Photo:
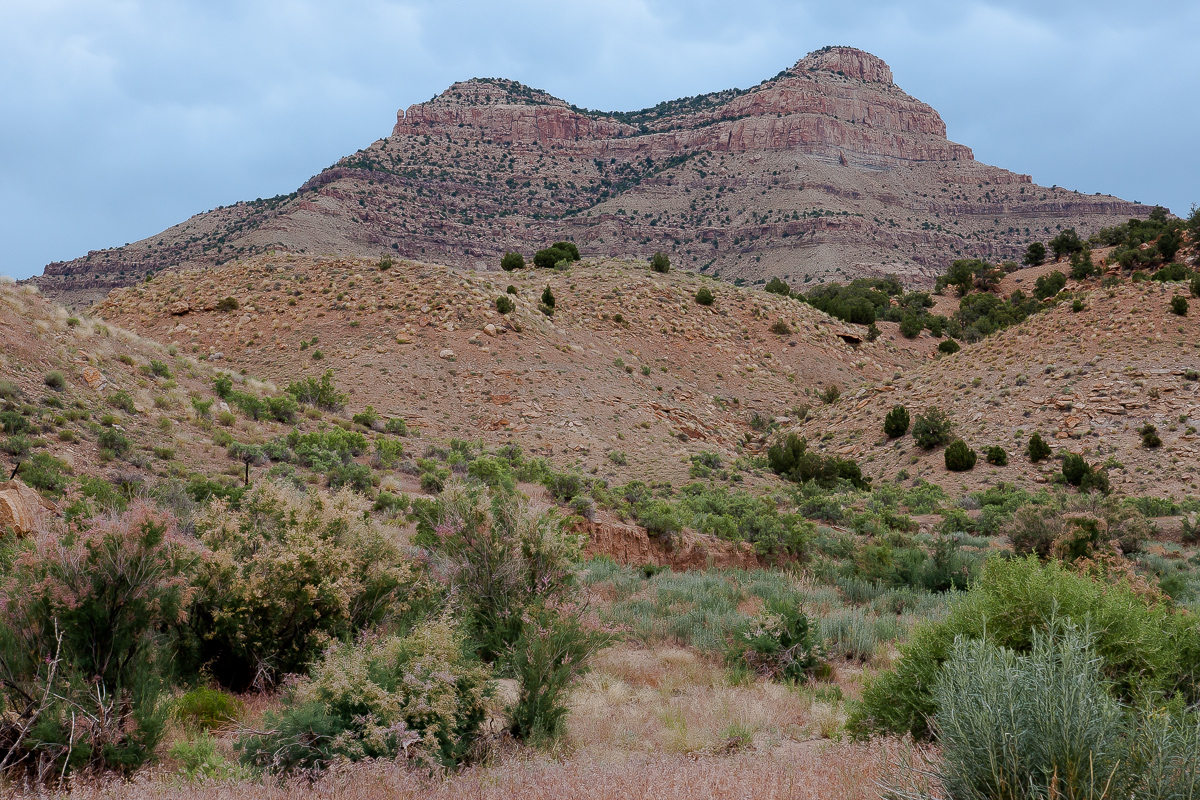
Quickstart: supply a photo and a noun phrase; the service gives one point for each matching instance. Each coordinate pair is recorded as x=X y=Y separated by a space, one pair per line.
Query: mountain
x=827 y=171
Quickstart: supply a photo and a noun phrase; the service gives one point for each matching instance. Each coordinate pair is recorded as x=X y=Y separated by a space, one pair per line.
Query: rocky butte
x=827 y=171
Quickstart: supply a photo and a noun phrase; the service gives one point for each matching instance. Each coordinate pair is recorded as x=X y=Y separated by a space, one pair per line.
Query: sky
x=119 y=118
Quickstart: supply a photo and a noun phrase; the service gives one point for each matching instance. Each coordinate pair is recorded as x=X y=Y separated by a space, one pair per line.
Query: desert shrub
x=1037 y=449
x=223 y=386
x=1082 y=266
x=660 y=262
x=1066 y=243
x=226 y=304
x=17 y=445
x=320 y=393
x=830 y=394
x=13 y=422
x=555 y=254
x=390 y=504
x=777 y=286
x=420 y=696
x=388 y=452
x=1049 y=285
x=1179 y=305
x=1150 y=437
x=790 y=458
x=122 y=400
x=204 y=708
x=502 y=557
x=554 y=648
x=704 y=296
x=564 y=485
x=9 y=390
x=997 y=456
x=1078 y=472
x=45 y=473
x=548 y=297
x=396 y=426
x=949 y=347
x=1146 y=649
x=355 y=476
x=55 y=380
x=998 y=739
x=490 y=471
x=504 y=304
x=780 y=643
x=262 y=611
x=895 y=424
x=367 y=417
x=741 y=517
x=82 y=650
x=512 y=261
x=932 y=429
x=159 y=369
x=326 y=448
x=960 y=457
x=780 y=328
x=872 y=332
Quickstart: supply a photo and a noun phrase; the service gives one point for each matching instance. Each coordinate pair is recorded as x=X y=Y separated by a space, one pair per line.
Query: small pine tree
x=1150 y=437
x=1037 y=450
x=932 y=429
x=910 y=326
x=1179 y=305
x=949 y=347
x=872 y=332
x=895 y=424
x=704 y=296
x=504 y=304
x=548 y=297
x=997 y=456
x=960 y=457
x=1035 y=254
x=512 y=261
x=660 y=262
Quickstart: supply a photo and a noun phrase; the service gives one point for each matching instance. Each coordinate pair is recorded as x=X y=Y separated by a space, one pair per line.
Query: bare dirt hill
x=630 y=368
x=827 y=171
x=1087 y=381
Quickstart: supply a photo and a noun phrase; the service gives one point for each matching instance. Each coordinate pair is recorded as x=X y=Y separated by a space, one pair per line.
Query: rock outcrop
x=826 y=171
x=22 y=509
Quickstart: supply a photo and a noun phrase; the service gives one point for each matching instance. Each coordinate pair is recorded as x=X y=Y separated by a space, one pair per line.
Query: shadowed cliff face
x=828 y=171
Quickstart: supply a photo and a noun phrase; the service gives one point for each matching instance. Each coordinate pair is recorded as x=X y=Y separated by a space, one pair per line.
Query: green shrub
x=504 y=304
x=1145 y=648
x=994 y=729
x=260 y=610
x=223 y=386
x=388 y=452
x=206 y=709
x=122 y=400
x=17 y=445
x=55 y=380
x=9 y=390
x=911 y=326
x=45 y=473
x=391 y=504
x=356 y=476
x=780 y=328
x=418 y=696
x=830 y=394
x=1035 y=255
x=777 y=286
x=1037 y=449
x=948 y=346
x=548 y=297
x=790 y=458
x=320 y=393
x=396 y=426
x=1179 y=305
x=704 y=296
x=367 y=417
x=226 y=304
x=555 y=254
x=997 y=456
x=1078 y=472
x=503 y=556
x=87 y=620
x=511 y=290
x=895 y=424
x=159 y=369
x=552 y=651
x=13 y=422
x=1150 y=437
x=872 y=332
x=780 y=644
x=959 y=457
x=1049 y=285
x=932 y=429
x=660 y=262
x=512 y=261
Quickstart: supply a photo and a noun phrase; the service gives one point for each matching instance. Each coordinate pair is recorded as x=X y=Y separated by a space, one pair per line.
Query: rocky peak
x=494 y=92
x=848 y=61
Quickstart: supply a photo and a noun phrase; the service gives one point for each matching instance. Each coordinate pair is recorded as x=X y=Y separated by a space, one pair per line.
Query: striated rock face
x=827 y=171
x=23 y=510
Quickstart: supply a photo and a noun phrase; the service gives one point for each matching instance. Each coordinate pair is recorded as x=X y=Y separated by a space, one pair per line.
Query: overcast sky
x=119 y=118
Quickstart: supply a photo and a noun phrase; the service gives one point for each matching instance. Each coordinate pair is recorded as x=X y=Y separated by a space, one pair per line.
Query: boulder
x=22 y=509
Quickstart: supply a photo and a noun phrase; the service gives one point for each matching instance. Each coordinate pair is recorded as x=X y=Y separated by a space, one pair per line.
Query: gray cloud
x=119 y=118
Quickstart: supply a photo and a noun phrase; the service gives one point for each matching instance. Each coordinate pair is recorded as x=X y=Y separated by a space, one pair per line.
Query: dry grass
x=843 y=771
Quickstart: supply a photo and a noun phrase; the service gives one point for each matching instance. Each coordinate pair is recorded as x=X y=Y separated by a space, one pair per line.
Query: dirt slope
x=1086 y=381
x=629 y=362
